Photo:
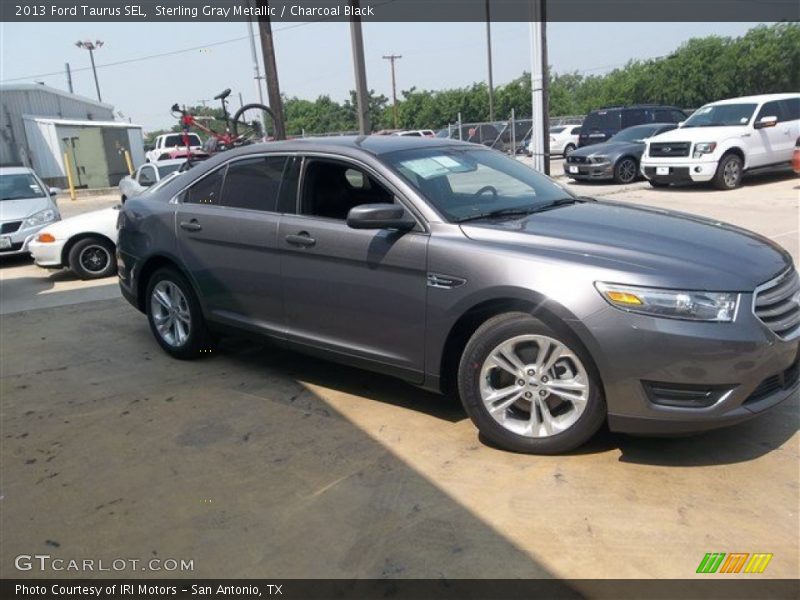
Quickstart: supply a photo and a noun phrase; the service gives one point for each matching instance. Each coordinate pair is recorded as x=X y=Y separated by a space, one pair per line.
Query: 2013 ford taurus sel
x=458 y=269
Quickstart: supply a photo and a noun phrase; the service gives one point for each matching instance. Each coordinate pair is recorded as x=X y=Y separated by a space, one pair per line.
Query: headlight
x=599 y=158
x=673 y=304
x=703 y=148
x=40 y=218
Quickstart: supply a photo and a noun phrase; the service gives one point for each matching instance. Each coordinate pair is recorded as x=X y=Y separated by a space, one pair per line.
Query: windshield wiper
x=518 y=211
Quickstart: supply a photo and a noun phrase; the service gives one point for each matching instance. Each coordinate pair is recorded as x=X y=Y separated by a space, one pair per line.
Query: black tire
x=626 y=170
x=568 y=149
x=249 y=123
x=729 y=172
x=489 y=336
x=92 y=258
x=658 y=184
x=199 y=341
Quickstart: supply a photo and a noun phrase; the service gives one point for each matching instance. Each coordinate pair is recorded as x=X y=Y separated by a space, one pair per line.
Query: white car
x=86 y=244
x=147 y=175
x=165 y=144
x=26 y=205
x=723 y=140
x=563 y=139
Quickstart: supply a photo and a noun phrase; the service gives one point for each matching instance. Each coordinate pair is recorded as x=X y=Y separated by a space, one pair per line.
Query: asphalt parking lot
x=262 y=463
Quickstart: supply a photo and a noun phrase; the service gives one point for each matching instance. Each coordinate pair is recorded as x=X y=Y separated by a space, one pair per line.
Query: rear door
x=227 y=225
x=599 y=125
x=359 y=293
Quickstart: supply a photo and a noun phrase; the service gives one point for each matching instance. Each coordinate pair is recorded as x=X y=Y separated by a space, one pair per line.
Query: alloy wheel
x=627 y=171
x=95 y=258
x=171 y=314
x=731 y=173
x=534 y=386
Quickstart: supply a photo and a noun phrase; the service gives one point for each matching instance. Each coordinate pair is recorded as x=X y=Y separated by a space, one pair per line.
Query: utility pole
x=489 y=54
x=362 y=100
x=69 y=77
x=271 y=70
x=391 y=58
x=256 y=70
x=540 y=136
x=91 y=47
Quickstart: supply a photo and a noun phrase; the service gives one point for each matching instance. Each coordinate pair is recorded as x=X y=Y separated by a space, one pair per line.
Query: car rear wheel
x=530 y=388
x=729 y=173
x=92 y=258
x=175 y=316
x=625 y=170
x=569 y=149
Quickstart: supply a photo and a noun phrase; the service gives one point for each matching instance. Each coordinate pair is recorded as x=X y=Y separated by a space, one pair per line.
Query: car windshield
x=632 y=134
x=164 y=170
x=558 y=129
x=721 y=115
x=175 y=141
x=20 y=185
x=467 y=183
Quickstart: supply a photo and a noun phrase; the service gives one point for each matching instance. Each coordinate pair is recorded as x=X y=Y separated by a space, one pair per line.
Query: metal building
x=39 y=124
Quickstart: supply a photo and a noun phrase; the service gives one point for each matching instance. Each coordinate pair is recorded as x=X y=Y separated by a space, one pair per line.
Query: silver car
x=26 y=205
x=459 y=269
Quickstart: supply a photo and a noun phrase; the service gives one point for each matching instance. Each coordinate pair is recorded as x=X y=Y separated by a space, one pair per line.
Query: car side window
x=576 y=131
x=634 y=116
x=331 y=189
x=254 y=183
x=771 y=109
x=791 y=109
x=206 y=190
x=147 y=175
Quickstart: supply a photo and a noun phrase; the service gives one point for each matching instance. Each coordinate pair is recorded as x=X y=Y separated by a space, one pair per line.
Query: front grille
x=777 y=305
x=669 y=149
x=781 y=381
x=582 y=160
x=13 y=248
x=10 y=227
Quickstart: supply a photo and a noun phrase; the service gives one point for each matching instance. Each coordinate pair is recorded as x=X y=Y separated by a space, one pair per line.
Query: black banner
x=406 y=589
x=400 y=10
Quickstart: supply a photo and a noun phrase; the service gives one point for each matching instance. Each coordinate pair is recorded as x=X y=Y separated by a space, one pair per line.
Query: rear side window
x=791 y=109
x=254 y=183
x=601 y=120
x=634 y=116
x=207 y=190
x=575 y=131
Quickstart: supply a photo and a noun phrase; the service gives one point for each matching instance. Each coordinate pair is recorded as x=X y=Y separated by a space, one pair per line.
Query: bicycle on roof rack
x=248 y=125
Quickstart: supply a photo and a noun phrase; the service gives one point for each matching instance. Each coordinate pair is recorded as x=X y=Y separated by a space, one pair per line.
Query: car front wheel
x=530 y=388
x=625 y=171
x=92 y=258
x=175 y=316
x=729 y=172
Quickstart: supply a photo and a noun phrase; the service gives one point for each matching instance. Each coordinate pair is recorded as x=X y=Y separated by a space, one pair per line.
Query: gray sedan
x=461 y=270
x=616 y=159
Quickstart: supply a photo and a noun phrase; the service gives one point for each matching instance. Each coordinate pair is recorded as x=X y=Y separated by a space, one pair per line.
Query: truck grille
x=669 y=148
x=777 y=305
x=10 y=227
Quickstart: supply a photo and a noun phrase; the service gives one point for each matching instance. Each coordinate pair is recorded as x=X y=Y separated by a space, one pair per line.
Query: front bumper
x=47 y=255
x=587 y=171
x=20 y=240
x=743 y=367
x=687 y=171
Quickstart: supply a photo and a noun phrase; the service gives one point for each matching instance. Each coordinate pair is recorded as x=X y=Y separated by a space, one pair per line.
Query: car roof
x=168 y=161
x=14 y=170
x=756 y=98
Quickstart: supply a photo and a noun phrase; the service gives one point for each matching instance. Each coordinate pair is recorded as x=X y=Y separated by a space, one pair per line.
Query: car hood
x=610 y=149
x=660 y=248
x=96 y=220
x=17 y=210
x=699 y=134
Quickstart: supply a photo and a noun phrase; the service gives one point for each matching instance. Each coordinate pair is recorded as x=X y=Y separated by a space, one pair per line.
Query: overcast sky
x=313 y=58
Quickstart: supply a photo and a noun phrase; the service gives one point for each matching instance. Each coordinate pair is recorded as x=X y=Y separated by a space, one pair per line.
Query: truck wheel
x=529 y=388
x=729 y=172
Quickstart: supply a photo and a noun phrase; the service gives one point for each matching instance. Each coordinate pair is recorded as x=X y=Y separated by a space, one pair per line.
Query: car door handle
x=192 y=225
x=301 y=239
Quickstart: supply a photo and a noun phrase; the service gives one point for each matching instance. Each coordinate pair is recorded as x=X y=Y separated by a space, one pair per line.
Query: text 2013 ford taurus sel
x=456 y=268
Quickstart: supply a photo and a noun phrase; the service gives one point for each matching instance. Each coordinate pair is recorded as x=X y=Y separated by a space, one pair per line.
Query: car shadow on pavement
x=749 y=180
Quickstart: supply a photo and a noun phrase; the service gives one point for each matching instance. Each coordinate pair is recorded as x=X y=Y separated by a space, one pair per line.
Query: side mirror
x=766 y=122
x=54 y=191
x=379 y=216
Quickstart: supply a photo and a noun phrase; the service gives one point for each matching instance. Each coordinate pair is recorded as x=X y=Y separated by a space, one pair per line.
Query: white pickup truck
x=723 y=140
x=169 y=142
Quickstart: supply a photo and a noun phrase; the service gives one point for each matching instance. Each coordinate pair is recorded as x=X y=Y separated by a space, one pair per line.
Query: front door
x=360 y=293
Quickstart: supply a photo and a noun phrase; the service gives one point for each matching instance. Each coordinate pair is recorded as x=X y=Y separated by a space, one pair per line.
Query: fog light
x=698 y=169
x=45 y=238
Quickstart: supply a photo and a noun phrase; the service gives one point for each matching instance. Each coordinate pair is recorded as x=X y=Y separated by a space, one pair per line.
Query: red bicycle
x=248 y=125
